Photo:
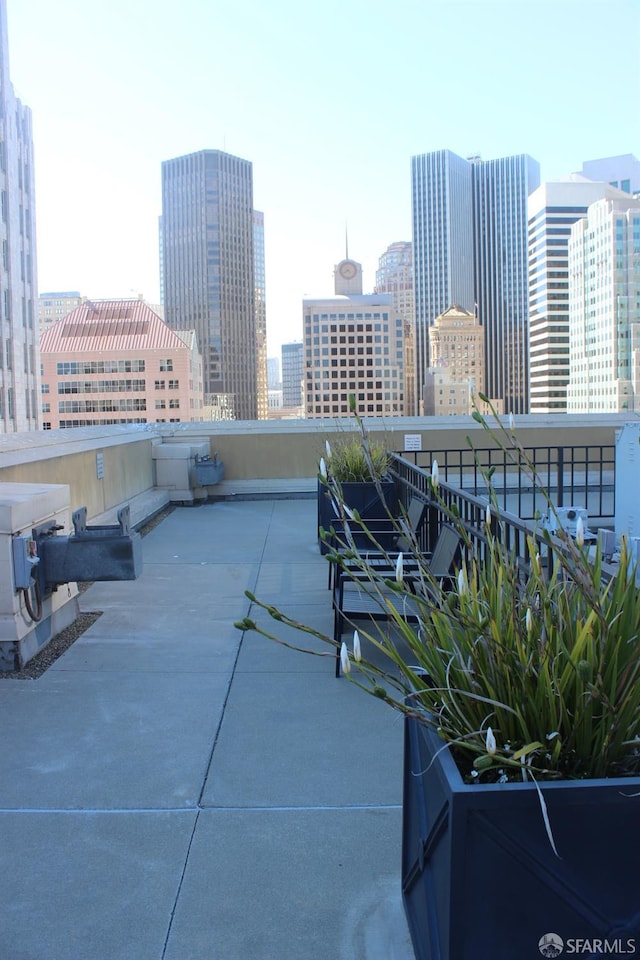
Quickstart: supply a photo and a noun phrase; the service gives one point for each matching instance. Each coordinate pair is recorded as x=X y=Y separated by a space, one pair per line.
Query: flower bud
x=529 y=620
x=357 y=652
x=399 y=569
x=487 y=515
x=490 y=742
x=323 y=468
x=327 y=447
x=462 y=582
x=345 y=663
x=580 y=532
x=435 y=474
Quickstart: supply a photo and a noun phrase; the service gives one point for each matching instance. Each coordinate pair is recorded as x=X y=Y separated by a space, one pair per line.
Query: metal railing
x=470 y=509
x=577 y=476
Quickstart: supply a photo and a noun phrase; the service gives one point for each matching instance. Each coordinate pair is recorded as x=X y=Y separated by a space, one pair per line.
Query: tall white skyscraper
x=553 y=208
x=442 y=207
x=470 y=249
x=19 y=349
x=604 y=308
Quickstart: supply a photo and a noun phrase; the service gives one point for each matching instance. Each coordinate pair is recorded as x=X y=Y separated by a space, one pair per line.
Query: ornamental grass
x=525 y=668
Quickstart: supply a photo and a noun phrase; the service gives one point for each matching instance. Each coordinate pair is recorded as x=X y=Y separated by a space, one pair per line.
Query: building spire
x=346 y=241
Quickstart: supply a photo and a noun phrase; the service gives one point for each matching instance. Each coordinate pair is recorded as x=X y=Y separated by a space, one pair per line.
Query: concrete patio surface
x=175 y=790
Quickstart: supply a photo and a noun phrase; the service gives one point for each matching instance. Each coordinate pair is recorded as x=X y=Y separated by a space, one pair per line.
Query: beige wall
x=128 y=470
x=250 y=450
x=293 y=448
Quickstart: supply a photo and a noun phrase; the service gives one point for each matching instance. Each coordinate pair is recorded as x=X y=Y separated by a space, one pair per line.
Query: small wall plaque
x=412 y=441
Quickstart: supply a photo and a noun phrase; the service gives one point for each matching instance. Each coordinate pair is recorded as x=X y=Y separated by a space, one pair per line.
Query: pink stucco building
x=117 y=361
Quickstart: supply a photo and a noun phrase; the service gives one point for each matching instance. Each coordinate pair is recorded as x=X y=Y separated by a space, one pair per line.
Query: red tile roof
x=109 y=326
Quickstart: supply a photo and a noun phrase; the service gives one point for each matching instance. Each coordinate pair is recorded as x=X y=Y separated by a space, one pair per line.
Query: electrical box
x=567 y=520
x=25 y=561
x=628 y=481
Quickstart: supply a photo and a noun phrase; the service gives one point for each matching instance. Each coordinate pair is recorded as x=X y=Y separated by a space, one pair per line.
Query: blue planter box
x=480 y=878
x=362 y=497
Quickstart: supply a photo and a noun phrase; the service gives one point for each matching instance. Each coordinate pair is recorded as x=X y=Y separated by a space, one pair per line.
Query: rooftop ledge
x=111 y=465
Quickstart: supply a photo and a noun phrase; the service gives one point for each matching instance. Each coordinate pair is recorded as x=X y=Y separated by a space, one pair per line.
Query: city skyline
x=328 y=150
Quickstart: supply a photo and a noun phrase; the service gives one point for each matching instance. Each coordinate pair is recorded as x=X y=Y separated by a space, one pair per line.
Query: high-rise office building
x=604 y=308
x=209 y=271
x=442 y=204
x=456 y=355
x=55 y=305
x=470 y=249
x=292 y=374
x=260 y=306
x=395 y=276
x=622 y=172
x=19 y=352
x=500 y=191
x=553 y=208
x=353 y=345
x=273 y=373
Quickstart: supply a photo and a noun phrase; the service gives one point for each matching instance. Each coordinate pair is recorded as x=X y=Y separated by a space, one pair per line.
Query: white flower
x=349 y=512
x=357 y=652
x=462 y=582
x=399 y=568
x=512 y=423
x=490 y=742
x=327 y=447
x=323 y=468
x=345 y=663
x=435 y=474
x=487 y=515
x=580 y=532
x=529 y=620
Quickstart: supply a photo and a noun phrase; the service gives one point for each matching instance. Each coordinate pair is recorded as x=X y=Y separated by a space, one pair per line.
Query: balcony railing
x=512 y=530
x=577 y=476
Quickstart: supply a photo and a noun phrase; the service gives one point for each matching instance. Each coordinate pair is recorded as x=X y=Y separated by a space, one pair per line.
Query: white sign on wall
x=412 y=441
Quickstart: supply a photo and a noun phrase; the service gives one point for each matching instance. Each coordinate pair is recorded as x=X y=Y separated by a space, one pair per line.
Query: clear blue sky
x=329 y=101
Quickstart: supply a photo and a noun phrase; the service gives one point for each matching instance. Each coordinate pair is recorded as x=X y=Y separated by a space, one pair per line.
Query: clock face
x=348 y=269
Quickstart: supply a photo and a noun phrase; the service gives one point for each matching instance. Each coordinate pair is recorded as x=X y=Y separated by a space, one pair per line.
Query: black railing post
x=560 y=476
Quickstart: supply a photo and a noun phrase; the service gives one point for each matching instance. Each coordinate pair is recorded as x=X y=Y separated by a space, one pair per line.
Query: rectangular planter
x=480 y=878
x=361 y=496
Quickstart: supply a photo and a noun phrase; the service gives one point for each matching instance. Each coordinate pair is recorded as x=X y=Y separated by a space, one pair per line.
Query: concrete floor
x=174 y=790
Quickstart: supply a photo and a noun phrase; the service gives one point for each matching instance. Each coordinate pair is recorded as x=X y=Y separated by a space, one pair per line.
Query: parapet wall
x=107 y=466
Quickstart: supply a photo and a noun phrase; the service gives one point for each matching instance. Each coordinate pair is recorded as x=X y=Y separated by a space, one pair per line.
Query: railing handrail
x=470 y=510
x=582 y=475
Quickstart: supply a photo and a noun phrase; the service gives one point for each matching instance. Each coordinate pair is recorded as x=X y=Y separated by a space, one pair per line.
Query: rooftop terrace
x=173 y=789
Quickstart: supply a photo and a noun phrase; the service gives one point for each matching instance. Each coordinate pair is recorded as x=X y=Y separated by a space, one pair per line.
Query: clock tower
x=348 y=278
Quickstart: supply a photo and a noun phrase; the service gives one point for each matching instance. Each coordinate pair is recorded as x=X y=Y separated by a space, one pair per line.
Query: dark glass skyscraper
x=209 y=270
x=470 y=249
